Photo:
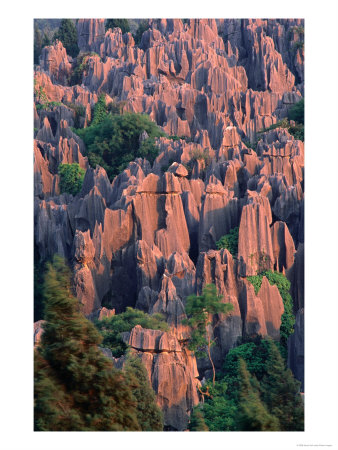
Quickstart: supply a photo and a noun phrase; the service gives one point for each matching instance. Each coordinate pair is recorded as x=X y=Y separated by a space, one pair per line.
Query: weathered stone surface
x=90 y=34
x=106 y=313
x=178 y=169
x=172 y=371
x=273 y=307
x=296 y=277
x=217 y=267
x=219 y=214
x=55 y=62
x=283 y=246
x=255 y=251
x=296 y=349
x=252 y=311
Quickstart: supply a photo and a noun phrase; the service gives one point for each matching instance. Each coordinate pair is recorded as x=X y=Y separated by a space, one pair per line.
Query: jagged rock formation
x=172 y=372
x=148 y=239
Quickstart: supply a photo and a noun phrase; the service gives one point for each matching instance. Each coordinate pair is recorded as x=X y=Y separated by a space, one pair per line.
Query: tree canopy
x=75 y=386
x=71 y=178
x=67 y=34
x=118 y=23
x=253 y=392
x=113 y=140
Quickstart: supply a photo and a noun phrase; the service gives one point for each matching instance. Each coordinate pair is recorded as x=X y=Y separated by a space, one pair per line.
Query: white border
x=17 y=224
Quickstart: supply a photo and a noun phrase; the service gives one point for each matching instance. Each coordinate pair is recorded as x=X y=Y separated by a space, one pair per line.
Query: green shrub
x=112 y=141
x=118 y=23
x=81 y=66
x=71 y=178
x=174 y=137
x=296 y=112
x=229 y=241
x=297 y=132
x=112 y=327
x=197 y=154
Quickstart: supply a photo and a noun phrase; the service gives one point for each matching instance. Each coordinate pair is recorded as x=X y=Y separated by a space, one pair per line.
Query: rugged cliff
x=148 y=239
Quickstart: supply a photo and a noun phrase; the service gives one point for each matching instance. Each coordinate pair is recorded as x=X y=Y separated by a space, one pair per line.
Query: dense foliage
x=76 y=388
x=80 y=67
x=296 y=112
x=149 y=415
x=113 y=140
x=112 y=327
x=71 y=178
x=200 y=310
x=197 y=422
x=67 y=34
x=39 y=42
x=253 y=415
x=229 y=241
x=118 y=23
x=283 y=284
x=253 y=392
x=143 y=26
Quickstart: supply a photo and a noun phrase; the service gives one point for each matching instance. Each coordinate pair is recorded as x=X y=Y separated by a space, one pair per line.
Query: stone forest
x=169 y=225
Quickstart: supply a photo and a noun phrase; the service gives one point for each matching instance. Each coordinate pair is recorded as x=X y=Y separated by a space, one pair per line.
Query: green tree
x=113 y=141
x=252 y=413
x=76 y=387
x=143 y=26
x=67 y=34
x=149 y=415
x=112 y=327
x=229 y=241
x=118 y=23
x=100 y=110
x=197 y=422
x=296 y=112
x=37 y=45
x=199 y=309
x=45 y=40
x=218 y=408
x=71 y=178
x=281 y=393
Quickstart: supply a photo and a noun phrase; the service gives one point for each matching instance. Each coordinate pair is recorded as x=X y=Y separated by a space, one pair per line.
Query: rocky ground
x=148 y=238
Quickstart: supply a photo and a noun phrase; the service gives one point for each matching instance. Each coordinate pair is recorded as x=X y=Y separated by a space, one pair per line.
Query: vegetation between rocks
x=254 y=391
x=229 y=241
x=112 y=327
x=71 y=178
x=200 y=310
x=283 y=285
x=76 y=388
x=113 y=140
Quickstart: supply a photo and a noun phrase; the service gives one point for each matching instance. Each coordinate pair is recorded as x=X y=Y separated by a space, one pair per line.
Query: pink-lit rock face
x=172 y=372
x=148 y=238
